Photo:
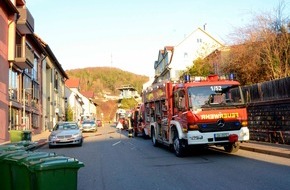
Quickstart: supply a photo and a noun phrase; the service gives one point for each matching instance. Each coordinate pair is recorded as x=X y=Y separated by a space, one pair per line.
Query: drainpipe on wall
x=10 y=96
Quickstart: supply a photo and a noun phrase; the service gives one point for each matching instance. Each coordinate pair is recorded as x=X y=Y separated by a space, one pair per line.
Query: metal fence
x=268 y=91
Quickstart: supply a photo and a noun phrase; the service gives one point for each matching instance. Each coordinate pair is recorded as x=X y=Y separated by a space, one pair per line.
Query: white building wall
x=197 y=45
x=88 y=108
x=74 y=103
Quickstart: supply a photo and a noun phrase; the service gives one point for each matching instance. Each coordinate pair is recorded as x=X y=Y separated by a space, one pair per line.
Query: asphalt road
x=115 y=162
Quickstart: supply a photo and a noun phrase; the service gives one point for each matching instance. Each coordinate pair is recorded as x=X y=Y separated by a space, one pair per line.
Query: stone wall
x=269 y=121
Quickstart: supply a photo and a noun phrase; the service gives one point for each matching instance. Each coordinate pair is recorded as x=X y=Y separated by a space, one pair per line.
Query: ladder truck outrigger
x=206 y=111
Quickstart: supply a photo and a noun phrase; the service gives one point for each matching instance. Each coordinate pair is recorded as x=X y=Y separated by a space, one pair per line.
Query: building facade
x=173 y=60
x=83 y=99
x=26 y=73
x=75 y=103
x=8 y=18
x=53 y=91
x=128 y=91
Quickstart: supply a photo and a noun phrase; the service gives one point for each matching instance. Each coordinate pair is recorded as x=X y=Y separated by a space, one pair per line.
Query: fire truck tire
x=232 y=147
x=154 y=140
x=143 y=134
x=178 y=147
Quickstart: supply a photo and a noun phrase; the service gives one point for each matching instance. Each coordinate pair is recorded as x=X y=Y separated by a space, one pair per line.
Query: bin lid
x=16 y=158
x=15 y=131
x=54 y=163
x=21 y=157
x=11 y=153
x=18 y=145
x=9 y=147
x=31 y=163
x=25 y=143
x=36 y=158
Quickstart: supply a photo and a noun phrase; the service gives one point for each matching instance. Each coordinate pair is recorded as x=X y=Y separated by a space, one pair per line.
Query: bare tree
x=263 y=48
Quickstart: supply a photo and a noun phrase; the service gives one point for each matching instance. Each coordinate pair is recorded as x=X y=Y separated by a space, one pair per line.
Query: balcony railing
x=34 y=103
x=24 y=57
x=13 y=94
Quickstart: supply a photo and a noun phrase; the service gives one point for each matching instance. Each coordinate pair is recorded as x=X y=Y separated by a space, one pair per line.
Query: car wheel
x=81 y=143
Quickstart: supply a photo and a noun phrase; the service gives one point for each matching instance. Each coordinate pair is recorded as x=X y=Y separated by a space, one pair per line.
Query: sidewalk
x=41 y=138
x=254 y=146
x=281 y=150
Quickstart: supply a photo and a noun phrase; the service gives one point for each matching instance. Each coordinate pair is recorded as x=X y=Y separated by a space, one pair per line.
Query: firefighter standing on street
x=130 y=127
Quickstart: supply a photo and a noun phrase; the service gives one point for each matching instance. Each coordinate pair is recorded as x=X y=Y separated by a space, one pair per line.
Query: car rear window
x=88 y=122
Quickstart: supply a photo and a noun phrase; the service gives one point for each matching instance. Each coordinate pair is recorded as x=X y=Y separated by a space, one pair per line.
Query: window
x=219 y=95
x=56 y=80
x=35 y=68
x=35 y=95
x=13 y=76
x=13 y=84
x=35 y=90
x=26 y=82
x=35 y=121
x=179 y=100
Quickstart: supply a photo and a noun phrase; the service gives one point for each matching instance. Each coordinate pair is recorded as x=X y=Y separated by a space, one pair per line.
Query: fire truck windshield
x=218 y=96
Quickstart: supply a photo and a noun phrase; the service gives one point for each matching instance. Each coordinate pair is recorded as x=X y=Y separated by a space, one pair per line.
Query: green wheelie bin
x=27 y=135
x=9 y=147
x=16 y=135
x=5 y=171
x=25 y=145
x=61 y=174
x=21 y=175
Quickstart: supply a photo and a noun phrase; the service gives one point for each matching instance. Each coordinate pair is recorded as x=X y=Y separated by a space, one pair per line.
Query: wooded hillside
x=106 y=80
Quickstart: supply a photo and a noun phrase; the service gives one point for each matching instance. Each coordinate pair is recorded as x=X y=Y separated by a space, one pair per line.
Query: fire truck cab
x=208 y=111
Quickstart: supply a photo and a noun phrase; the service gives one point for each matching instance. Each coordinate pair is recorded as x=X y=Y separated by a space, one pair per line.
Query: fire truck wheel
x=154 y=140
x=135 y=133
x=144 y=135
x=232 y=147
x=179 y=148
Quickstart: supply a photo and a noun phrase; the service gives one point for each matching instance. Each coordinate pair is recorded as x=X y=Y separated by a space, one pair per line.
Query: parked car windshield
x=218 y=95
x=66 y=126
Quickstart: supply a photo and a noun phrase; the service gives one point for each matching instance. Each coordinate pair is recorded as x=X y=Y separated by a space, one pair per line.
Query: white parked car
x=89 y=126
x=65 y=133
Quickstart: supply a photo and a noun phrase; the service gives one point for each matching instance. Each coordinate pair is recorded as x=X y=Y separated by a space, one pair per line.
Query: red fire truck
x=138 y=122
x=206 y=111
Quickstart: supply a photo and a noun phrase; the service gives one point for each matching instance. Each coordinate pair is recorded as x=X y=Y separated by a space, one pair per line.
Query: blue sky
x=128 y=34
